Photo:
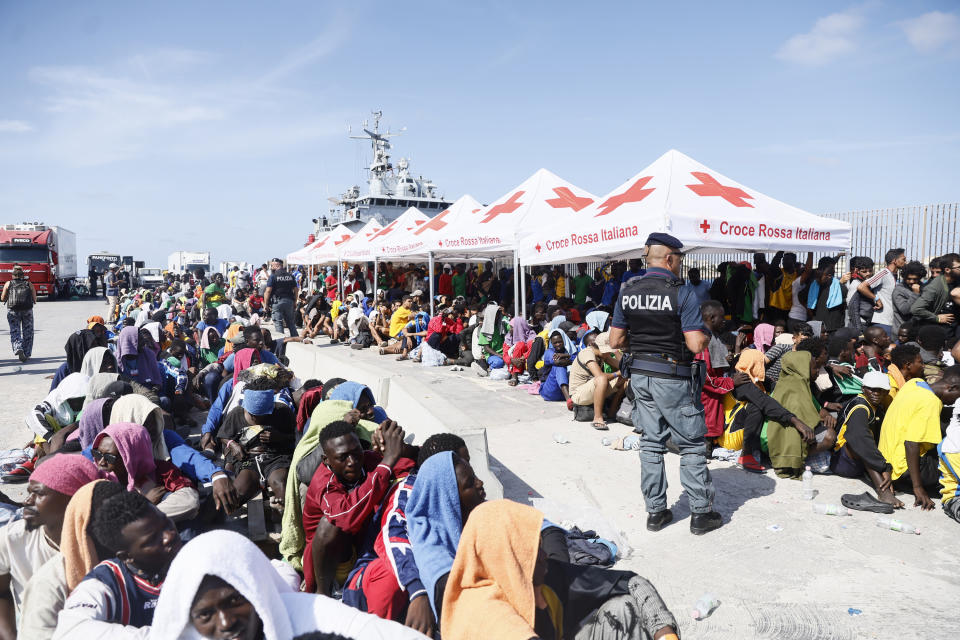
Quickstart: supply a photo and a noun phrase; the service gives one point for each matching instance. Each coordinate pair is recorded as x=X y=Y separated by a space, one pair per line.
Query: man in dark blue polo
x=658 y=321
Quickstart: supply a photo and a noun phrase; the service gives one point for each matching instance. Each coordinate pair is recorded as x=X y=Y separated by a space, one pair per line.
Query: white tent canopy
x=360 y=239
x=300 y=255
x=493 y=230
x=678 y=195
x=407 y=221
x=417 y=242
x=325 y=250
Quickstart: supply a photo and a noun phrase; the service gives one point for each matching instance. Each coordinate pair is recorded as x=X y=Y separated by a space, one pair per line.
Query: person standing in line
x=880 y=288
x=658 y=321
x=111 y=289
x=282 y=291
x=20 y=296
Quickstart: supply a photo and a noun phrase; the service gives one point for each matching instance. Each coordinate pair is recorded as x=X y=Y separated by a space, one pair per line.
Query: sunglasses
x=109 y=458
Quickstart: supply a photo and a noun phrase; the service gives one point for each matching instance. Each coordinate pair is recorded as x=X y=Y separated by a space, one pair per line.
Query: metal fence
x=925 y=231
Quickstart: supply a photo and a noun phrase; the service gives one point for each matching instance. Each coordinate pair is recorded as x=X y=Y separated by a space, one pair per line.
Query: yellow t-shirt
x=913 y=416
x=949 y=479
x=782 y=298
x=399 y=320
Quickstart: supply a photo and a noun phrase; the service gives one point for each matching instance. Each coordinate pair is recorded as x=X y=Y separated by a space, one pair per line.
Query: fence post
x=923 y=239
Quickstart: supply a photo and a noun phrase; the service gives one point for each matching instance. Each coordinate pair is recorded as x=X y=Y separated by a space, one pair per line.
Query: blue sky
x=222 y=126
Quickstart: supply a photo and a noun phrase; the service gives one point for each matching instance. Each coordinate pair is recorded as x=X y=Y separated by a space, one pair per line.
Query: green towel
x=292 y=539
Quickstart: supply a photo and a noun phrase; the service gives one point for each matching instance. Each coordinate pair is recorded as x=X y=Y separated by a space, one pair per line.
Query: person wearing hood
x=26 y=544
x=489 y=338
x=221 y=585
x=516 y=348
x=118 y=597
x=445 y=494
x=49 y=588
x=137 y=351
x=503 y=585
x=559 y=355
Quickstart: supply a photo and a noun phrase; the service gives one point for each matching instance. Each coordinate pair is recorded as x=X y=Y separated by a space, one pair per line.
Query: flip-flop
x=601 y=426
x=865 y=502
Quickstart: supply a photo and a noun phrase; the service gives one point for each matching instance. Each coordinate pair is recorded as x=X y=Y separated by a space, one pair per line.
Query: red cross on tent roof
x=509 y=206
x=710 y=187
x=387 y=229
x=567 y=199
x=635 y=193
x=436 y=223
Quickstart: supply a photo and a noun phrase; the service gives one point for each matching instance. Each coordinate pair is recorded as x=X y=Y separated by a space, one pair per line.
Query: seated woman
x=258 y=439
x=502 y=585
x=591 y=386
x=790 y=445
x=137 y=352
x=221 y=585
x=559 y=355
x=123 y=451
x=754 y=407
x=98 y=360
x=516 y=348
x=445 y=492
x=441 y=346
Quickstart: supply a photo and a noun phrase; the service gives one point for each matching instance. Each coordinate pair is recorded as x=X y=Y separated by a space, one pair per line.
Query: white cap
x=876 y=380
x=113 y=265
x=447 y=266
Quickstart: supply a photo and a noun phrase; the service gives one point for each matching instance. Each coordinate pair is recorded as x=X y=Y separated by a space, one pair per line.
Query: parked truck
x=150 y=277
x=48 y=255
x=189 y=261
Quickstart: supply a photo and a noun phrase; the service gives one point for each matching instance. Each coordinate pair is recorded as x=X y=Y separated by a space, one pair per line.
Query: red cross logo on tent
x=635 y=193
x=711 y=187
x=704 y=226
x=387 y=229
x=512 y=204
x=538 y=247
x=373 y=231
x=322 y=242
x=436 y=223
x=342 y=239
x=567 y=199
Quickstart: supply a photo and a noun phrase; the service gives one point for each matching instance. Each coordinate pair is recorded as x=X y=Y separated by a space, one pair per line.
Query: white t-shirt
x=22 y=553
x=882 y=284
x=799 y=309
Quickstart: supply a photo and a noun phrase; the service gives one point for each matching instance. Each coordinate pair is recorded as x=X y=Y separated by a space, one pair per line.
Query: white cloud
x=336 y=34
x=932 y=31
x=15 y=126
x=832 y=36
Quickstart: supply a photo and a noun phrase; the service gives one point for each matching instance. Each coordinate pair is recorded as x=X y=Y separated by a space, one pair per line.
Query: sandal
x=600 y=425
x=512 y=383
x=865 y=502
x=401 y=358
x=383 y=351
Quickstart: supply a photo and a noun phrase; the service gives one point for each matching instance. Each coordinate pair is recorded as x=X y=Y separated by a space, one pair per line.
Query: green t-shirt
x=459 y=281
x=581 y=286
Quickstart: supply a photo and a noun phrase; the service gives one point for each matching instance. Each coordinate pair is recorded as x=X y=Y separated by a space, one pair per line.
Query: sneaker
x=658 y=520
x=483 y=373
x=701 y=523
x=334 y=341
x=21 y=473
x=749 y=463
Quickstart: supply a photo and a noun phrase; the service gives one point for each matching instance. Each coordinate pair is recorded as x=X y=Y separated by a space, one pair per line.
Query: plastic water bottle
x=559 y=438
x=704 y=606
x=831 y=510
x=808 y=492
x=896 y=525
x=606 y=442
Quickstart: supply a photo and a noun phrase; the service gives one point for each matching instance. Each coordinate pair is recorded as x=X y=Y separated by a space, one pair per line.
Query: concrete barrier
x=421 y=409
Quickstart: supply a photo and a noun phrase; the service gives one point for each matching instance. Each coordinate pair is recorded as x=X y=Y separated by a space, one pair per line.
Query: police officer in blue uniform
x=658 y=322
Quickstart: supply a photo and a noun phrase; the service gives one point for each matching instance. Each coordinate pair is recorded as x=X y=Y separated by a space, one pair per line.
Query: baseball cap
x=603 y=342
x=876 y=380
x=113 y=265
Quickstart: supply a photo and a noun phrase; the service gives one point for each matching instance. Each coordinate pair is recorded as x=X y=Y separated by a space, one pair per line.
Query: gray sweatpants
x=638 y=615
x=667 y=407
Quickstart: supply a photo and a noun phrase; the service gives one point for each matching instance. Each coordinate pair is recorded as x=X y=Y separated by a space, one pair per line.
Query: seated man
x=931 y=340
x=905 y=364
x=559 y=355
x=489 y=338
x=401 y=316
x=344 y=492
x=26 y=544
x=911 y=432
x=258 y=440
x=949 y=453
x=591 y=386
x=210 y=319
x=841 y=368
x=386 y=580
x=122 y=591
x=856 y=452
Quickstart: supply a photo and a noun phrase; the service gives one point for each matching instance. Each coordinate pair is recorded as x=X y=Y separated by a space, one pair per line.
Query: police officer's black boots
x=658 y=520
x=701 y=523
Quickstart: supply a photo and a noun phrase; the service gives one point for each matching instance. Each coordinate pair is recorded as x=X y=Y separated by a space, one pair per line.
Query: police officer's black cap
x=665 y=239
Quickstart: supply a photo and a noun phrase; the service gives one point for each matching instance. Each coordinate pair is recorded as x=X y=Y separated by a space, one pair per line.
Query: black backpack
x=19 y=296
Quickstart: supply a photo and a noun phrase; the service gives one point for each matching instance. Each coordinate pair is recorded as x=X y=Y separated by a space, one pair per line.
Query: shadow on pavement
x=514 y=488
x=734 y=487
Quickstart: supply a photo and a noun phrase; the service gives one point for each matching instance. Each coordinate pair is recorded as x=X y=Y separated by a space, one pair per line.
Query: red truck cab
x=47 y=254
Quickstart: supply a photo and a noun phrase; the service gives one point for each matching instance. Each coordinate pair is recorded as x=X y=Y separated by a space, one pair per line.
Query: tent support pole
x=523 y=290
x=340 y=279
x=375 y=281
x=516 y=284
x=430 y=286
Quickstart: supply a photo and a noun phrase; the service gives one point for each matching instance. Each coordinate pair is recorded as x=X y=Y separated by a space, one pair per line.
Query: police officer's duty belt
x=662 y=366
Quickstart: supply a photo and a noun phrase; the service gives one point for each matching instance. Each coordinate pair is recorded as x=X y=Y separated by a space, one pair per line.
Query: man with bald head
x=658 y=321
